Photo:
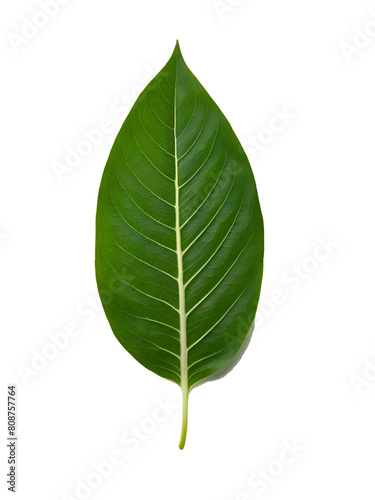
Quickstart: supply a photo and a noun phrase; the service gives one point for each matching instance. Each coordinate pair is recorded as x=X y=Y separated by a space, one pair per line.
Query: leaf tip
x=177 y=50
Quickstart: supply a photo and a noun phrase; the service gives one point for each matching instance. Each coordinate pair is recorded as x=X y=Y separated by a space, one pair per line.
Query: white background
x=307 y=376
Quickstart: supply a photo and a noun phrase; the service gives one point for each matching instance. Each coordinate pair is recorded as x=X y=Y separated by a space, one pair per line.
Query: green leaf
x=179 y=234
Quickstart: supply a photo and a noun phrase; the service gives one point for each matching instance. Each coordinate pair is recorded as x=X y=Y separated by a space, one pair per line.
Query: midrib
x=181 y=288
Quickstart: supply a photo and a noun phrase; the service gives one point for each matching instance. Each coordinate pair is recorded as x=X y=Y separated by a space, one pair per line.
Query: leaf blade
x=179 y=245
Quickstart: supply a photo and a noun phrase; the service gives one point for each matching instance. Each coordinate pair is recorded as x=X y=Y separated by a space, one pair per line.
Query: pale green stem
x=185 y=401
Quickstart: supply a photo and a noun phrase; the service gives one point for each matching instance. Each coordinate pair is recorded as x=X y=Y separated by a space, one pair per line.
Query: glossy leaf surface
x=179 y=241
